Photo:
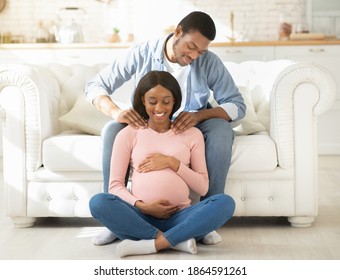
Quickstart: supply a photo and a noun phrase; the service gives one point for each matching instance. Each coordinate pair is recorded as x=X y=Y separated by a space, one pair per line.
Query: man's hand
x=184 y=121
x=161 y=209
x=130 y=117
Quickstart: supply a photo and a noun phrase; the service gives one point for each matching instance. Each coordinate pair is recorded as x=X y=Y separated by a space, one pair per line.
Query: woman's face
x=158 y=103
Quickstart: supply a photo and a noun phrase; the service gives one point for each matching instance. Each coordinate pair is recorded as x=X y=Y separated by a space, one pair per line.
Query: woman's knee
x=226 y=204
x=96 y=203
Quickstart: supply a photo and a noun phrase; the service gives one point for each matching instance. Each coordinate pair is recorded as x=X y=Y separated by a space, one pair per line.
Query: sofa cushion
x=250 y=123
x=85 y=117
x=72 y=151
x=253 y=153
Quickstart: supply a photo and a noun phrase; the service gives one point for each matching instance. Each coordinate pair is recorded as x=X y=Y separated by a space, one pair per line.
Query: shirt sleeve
x=196 y=175
x=231 y=109
x=121 y=153
x=224 y=89
x=113 y=76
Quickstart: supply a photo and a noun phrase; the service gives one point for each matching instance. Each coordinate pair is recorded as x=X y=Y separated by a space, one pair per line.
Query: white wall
x=254 y=19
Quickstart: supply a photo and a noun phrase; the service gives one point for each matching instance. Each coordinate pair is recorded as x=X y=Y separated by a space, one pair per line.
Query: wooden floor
x=243 y=238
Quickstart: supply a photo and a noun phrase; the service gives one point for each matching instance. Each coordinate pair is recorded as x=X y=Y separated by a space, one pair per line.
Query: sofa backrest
x=254 y=79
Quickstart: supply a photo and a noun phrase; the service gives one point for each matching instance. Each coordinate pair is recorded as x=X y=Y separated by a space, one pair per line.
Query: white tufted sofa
x=53 y=168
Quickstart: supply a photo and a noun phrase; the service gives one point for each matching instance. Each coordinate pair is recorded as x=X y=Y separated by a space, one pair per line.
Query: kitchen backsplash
x=256 y=20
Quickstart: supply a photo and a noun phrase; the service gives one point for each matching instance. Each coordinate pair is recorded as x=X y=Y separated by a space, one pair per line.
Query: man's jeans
x=195 y=221
x=218 y=136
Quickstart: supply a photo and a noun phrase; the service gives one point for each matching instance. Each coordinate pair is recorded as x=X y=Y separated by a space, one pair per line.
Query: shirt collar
x=160 y=52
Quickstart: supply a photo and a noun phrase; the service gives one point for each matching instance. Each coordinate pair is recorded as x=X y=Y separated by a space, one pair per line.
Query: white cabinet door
x=66 y=56
x=240 y=54
x=328 y=57
x=88 y=56
x=36 y=56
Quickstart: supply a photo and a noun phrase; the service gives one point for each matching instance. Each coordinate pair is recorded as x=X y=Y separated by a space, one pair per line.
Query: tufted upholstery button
x=49 y=198
x=76 y=198
x=271 y=198
x=243 y=198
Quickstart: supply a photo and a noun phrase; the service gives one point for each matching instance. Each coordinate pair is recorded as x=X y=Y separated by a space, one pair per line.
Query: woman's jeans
x=218 y=135
x=127 y=222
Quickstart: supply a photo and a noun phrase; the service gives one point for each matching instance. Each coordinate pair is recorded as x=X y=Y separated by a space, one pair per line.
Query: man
x=185 y=55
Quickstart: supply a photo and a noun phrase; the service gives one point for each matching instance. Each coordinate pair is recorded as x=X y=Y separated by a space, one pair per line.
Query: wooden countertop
x=126 y=45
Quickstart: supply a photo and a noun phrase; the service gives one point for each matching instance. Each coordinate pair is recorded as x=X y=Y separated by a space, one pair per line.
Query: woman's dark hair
x=201 y=22
x=151 y=80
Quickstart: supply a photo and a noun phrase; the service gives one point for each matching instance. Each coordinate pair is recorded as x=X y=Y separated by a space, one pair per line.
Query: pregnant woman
x=165 y=167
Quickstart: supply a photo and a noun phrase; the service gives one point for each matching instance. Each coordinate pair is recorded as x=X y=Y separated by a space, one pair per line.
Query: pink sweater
x=132 y=146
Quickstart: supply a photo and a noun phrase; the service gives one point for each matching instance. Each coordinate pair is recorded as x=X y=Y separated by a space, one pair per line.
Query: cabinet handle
x=316 y=50
x=233 y=51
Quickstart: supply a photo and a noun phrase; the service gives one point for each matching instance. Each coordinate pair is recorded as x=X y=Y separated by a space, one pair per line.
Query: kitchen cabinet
x=66 y=56
x=239 y=54
x=326 y=56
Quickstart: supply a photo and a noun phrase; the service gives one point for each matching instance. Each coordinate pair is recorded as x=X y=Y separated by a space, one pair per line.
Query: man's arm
x=108 y=80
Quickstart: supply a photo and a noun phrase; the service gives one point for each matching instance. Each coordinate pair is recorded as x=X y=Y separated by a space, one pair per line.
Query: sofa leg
x=301 y=221
x=23 y=222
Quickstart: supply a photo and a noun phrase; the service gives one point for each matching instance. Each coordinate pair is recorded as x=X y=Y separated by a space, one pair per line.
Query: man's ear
x=178 y=31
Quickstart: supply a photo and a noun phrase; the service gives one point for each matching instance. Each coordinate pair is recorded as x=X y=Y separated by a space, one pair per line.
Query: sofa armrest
x=300 y=93
x=29 y=97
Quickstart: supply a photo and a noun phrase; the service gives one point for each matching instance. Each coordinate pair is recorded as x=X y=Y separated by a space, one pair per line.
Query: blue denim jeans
x=218 y=135
x=127 y=222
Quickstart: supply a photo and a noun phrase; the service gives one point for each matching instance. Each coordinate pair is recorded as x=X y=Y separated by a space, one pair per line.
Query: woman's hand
x=158 y=161
x=161 y=209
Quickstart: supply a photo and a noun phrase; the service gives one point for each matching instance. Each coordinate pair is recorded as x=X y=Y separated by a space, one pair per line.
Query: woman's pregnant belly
x=162 y=184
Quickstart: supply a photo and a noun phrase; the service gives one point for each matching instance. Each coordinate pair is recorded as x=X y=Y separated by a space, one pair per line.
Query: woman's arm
x=196 y=175
x=120 y=161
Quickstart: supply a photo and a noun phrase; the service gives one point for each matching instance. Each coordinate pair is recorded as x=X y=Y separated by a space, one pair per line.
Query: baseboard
x=329 y=149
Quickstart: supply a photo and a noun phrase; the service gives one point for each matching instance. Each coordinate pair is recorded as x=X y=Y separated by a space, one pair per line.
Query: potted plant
x=114 y=37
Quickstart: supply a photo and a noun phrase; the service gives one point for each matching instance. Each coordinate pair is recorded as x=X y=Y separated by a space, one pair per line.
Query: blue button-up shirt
x=207 y=74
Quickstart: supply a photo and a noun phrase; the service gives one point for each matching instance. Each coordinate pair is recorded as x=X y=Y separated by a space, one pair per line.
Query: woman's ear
x=143 y=100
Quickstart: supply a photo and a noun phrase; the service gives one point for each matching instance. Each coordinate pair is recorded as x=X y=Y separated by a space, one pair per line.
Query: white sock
x=103 y=238
x=188 y=246
x=212 y=238
x=131 y=247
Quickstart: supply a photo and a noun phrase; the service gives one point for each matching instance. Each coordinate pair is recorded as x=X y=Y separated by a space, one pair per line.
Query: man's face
x=187 y=47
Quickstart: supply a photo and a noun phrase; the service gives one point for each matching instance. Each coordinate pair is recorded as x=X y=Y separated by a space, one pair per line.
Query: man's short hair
x=201 y=22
